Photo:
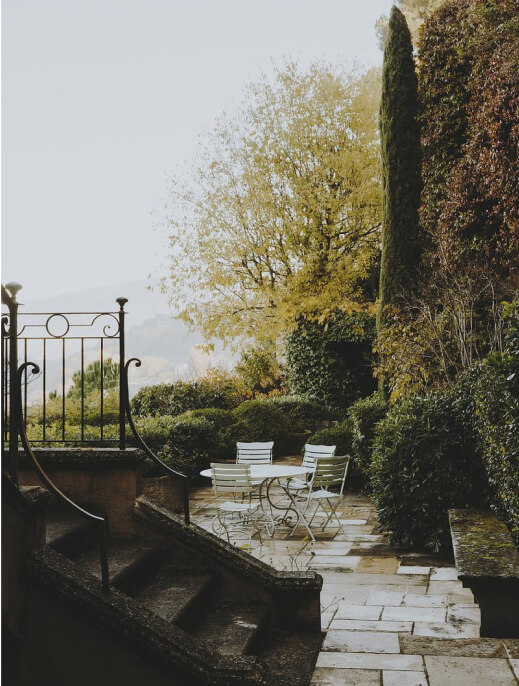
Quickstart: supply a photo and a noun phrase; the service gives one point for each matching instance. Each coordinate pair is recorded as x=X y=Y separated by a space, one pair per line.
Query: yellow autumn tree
x=280 y=216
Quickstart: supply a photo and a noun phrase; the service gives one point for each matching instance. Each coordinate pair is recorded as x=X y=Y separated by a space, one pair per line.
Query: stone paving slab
x=324 y=676
x=361 y=641
x=512 y=647
x=413 y=569
x=441 y=630
x=404 y=678
x=468 y=671
x=463 y=647
x=341 y=660
x=367 y=625
x=444 y=574
x=370 y=612
x=414 y=614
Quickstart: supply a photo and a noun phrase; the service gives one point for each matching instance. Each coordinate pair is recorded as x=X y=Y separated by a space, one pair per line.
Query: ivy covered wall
x=332 y=362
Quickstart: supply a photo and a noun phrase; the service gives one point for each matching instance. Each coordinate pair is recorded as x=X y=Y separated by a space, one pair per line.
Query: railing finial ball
x=13 y=288
x=122 y=302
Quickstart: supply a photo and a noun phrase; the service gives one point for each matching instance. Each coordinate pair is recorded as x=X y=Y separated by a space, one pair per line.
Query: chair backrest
x=254 y=453
x=312 y=452
x=230 y=478
x=330 y=471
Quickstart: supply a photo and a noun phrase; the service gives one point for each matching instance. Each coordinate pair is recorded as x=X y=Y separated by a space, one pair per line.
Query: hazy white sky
x=102 y=100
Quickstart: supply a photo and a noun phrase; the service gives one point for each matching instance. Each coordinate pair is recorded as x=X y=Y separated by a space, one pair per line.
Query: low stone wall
x=107 y=480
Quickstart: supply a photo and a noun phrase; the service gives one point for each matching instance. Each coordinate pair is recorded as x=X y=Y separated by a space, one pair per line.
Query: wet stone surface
x=391 y=617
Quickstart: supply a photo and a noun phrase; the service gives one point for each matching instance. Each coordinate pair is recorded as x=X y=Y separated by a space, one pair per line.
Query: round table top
x=271 y=471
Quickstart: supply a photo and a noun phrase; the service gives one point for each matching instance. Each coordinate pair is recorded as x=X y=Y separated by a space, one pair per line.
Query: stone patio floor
x=391 y=619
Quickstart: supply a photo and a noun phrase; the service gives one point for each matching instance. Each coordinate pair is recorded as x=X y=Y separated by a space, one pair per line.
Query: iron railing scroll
x=146 y=449
x=99 y=521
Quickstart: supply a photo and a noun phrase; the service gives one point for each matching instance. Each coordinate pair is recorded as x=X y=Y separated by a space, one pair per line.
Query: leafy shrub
x=331 y=361
x=152 y=401
x=221 y=420
x=425 y=461
x=365 y=415
x=258 y=420
x=260 y=369
x=497 y=416
x=190 y=445
x=303 y=412
x=155 y=431
x=340 y=436
x=53 y=432
x=218 y=389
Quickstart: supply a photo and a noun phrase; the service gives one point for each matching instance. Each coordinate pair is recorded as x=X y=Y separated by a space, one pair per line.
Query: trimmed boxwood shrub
x=221 y=391
x=365 y=415
x=340 y=435
x=304 y=413
x=259 y=420
x=221 y=420
x=191 y=445
x=425 y=461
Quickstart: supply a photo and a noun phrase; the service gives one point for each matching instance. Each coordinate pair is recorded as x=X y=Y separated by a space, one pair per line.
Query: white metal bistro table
x=266 y=475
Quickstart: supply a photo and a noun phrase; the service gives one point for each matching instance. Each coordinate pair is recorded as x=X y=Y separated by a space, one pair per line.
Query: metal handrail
x=101 y=522
x=145 y=448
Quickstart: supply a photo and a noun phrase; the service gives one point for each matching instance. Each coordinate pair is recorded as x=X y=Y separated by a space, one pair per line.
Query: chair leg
x=332 y=513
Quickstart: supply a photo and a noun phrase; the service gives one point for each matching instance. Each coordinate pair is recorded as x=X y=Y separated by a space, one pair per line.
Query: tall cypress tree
x=401 y=155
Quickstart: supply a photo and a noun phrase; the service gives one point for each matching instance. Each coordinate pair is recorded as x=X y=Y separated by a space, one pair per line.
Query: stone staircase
x=194 y=608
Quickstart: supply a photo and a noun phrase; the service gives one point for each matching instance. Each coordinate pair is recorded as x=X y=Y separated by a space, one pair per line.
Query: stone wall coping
x=144 y=630
x=84 y=458
x=223 y=552
x=483 y=546
x=25 y=498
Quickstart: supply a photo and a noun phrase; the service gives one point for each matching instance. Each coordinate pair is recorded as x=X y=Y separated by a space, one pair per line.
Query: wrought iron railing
x=79 y=355
x=15 y=401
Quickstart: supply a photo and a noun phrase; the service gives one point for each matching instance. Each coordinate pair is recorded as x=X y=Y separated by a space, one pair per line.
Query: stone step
x=233 y=629
x=290 y=657
x=68 y=533
x=178 y=595
x=131 y=562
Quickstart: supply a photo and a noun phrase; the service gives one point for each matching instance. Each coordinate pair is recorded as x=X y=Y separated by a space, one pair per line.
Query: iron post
x=123 y=390
x=14 y=389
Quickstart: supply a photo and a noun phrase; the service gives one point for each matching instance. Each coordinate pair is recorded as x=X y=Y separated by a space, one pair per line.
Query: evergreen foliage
x=400 y=142
x=331 y=362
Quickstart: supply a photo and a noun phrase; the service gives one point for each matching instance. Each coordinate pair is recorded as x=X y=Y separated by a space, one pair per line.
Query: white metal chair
x=231 y=515
x=310 y=454
x=254 y=453
x=329 y=472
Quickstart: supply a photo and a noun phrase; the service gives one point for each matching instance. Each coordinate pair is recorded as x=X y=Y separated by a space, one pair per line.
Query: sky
x=104 y=100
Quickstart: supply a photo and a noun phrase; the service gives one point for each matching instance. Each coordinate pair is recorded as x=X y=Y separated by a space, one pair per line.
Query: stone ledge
x=483 y=546
x=25 y=498
x=204 y=542
x=145 y=631
x=84 y=458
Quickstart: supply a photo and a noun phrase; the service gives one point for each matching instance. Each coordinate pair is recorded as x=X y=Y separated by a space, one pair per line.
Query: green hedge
x=365 y=415
x=497 y=418
x=259 y=420
x=340 y=435
x=425 y=461
x=303 y=412
x=220 y=391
